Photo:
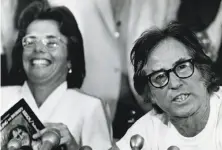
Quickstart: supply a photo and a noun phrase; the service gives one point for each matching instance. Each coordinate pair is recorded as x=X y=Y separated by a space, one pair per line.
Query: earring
x=70 y=70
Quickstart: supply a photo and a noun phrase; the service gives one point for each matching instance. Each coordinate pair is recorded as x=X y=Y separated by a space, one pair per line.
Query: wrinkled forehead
x=166 y=54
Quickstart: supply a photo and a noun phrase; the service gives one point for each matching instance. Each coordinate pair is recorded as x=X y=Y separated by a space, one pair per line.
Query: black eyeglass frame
x=172 y=70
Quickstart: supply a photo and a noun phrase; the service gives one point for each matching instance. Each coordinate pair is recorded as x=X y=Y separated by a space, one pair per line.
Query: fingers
x=66 y=136
x=39 y=134
x=59 y=126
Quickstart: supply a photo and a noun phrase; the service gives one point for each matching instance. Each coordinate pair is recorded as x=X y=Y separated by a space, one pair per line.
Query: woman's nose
x=174 y=81
x=40 y=47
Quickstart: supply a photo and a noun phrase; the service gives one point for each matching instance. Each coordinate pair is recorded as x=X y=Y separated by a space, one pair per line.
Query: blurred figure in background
x=109 y=28
x=205 y=18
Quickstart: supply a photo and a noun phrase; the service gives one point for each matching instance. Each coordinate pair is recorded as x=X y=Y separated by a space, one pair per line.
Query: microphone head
x=85 y=148
x=173 y=148
x=14 y=143
x=136 y=141
x=53 y=136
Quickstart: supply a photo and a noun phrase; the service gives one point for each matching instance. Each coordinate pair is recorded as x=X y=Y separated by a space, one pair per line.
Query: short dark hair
x=151 y=38
x=67 y=26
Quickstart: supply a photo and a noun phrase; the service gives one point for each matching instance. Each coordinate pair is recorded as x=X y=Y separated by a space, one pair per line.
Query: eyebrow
x=31 y=36
x=47 y=36
x=174 y=64
x=51 y=36
x=179 y=61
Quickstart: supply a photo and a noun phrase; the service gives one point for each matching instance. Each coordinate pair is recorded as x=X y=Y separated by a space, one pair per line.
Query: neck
x=117 y=6
x=194 y=124
x=41 y=92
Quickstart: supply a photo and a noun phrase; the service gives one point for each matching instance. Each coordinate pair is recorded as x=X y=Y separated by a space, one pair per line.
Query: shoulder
x=219 y=95
x=150 y=120
x=78 y=97
x=5 y=89
x=147 y=126
x=219 y=124
x=219 y=92
x=9 y=91
x=9 y=96
x=216 y=97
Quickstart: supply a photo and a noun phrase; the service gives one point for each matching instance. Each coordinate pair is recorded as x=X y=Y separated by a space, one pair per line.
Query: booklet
x=18 y=124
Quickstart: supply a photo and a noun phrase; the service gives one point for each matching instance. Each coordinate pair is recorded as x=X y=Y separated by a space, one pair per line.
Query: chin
x=183 y=113
x=39 y=78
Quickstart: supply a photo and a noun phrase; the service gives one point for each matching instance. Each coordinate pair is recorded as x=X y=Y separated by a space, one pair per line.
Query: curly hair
x=67 y=26
x=151 y=38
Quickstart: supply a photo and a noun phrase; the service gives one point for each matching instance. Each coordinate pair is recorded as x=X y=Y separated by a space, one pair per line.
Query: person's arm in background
x=96 y=128
x=8 y=30
x=214 y=33
x=151 y=13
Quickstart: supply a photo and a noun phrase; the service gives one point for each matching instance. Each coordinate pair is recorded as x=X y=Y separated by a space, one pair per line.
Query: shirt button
x=116 y=34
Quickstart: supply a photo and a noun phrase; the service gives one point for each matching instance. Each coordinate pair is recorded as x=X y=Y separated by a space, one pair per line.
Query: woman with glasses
x=173 y=72
x=49 y=66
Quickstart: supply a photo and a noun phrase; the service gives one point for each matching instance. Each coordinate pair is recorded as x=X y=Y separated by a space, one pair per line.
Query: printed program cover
x=20 y=123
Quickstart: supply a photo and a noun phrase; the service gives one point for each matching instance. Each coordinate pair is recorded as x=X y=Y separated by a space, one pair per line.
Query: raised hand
x=66 y=137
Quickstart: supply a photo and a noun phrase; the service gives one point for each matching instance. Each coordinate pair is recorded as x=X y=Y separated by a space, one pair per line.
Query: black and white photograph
x=112 y=74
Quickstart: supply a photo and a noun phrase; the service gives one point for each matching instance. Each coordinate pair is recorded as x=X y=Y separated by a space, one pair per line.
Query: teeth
x=40 y=62
x=181 y=98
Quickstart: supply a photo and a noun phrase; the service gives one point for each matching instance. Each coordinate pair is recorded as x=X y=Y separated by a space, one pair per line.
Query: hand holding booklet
x=18 y=125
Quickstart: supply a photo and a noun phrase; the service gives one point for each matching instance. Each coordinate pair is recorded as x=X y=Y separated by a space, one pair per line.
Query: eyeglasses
x=50 y=41
x=183 y=70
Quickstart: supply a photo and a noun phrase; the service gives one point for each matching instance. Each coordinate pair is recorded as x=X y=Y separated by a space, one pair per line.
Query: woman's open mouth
x=40 y=62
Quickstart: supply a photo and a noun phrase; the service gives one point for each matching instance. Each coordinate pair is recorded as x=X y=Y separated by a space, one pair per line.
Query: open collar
x=47 y=108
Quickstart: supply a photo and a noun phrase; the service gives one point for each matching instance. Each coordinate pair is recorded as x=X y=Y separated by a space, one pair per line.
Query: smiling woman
x=172 y=71
x=45 y=52
x=48 y=65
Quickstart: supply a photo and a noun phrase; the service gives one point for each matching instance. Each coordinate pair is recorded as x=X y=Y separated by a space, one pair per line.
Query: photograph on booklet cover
x=18 y=125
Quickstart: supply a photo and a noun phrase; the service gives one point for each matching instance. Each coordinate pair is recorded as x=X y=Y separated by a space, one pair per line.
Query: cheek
x=25 y=56
x=158 y=95
x=25 y=60
x=60 y=55
x=196 y=81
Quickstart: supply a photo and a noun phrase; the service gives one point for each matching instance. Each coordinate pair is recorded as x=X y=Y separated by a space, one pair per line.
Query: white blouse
x=84 y=115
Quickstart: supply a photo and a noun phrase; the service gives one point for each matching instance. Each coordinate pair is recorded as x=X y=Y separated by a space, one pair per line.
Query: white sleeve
x=95 y=131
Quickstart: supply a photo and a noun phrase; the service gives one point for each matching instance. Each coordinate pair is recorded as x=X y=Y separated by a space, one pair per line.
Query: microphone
x=14 y=144
x=173 y=148
x=136 y=142
x=85 y=148
x=50 y=139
